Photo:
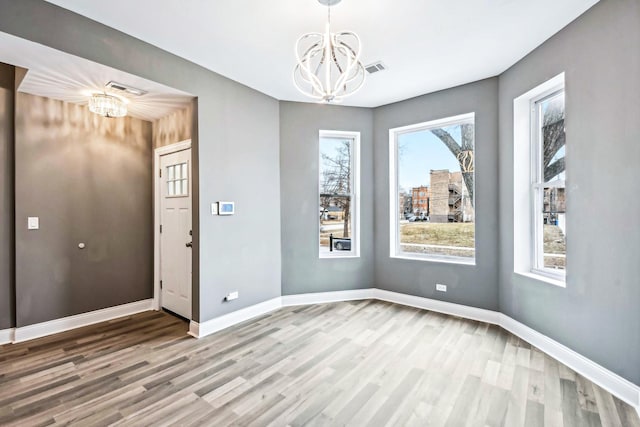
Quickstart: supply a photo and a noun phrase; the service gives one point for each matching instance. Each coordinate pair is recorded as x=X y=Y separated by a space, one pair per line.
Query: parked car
x=412 y=218
x=342 y=244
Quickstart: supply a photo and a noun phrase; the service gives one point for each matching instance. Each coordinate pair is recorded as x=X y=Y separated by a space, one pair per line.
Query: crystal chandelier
x=329 y=66
x=107 y=105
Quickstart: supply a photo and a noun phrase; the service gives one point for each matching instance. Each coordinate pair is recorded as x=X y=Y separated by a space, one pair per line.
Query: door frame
x=157 y=153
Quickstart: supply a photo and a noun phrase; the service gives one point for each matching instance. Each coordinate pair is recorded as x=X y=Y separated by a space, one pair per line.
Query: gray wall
x=471 y=285
x=7 y=286
x=237 y=141
x=597 y=314
x=88 y=179
x=302 y=270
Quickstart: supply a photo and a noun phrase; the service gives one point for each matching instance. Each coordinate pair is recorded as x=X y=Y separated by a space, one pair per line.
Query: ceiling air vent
x=119 y=87
x=375 y=67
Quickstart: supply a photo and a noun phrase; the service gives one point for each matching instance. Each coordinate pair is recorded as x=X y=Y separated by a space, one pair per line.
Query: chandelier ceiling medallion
x=329 y=67
x=107 y=105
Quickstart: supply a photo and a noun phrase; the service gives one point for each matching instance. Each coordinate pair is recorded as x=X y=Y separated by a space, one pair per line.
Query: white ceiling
x=428 y=45
x=58 y=75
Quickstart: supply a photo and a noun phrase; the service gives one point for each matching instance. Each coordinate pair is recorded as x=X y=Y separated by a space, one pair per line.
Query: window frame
x=525 y=164
x=355 y=193
x=538 y=185
x=394 y=208
x=175 y=180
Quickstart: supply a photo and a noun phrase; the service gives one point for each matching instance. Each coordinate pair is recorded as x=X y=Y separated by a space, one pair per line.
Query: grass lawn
x=324 y=234
x=443 y=234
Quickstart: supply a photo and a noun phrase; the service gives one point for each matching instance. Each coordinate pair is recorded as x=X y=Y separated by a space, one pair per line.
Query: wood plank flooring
x=361 y=363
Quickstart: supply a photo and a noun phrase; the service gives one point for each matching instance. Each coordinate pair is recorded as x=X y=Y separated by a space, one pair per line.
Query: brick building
x=449 y=201
x=420 y=200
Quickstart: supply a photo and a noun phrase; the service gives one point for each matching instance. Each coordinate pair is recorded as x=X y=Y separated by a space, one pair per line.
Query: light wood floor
x=353 y=363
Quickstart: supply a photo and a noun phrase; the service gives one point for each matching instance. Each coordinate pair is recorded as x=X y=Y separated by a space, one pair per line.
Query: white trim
x=395 y=250
x=436 y=258
x=541 y=277
x=325 y=297
x=6 y=335
x=525 y=163
x=465 y=311
x=38 y=330
x=216 y=324
x=434 y=124
x=613 y=383
x=157 y=153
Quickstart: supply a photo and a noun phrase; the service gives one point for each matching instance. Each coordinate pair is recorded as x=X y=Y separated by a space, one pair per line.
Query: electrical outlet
x=231 y=296
x=441 y=288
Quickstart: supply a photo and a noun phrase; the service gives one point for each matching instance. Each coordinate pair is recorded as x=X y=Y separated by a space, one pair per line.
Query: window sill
x=542 y=278
x=435 y=259
x=326 y=256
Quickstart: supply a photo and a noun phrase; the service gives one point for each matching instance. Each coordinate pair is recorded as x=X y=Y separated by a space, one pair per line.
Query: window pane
x=552 y=158
x=436 y=191
x=184 y=171
x=171 y=188
x=553 y=138
x=185 y=187
x=169 y=172
x=336 y=201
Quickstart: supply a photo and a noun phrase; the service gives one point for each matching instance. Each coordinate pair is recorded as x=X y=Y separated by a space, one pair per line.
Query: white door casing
x=174 y=196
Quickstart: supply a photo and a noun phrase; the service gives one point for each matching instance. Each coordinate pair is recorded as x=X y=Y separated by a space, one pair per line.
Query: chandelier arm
x=343 y=76
x=303 y=37
x=306 y=93
x=316 y=84
x=356 y=52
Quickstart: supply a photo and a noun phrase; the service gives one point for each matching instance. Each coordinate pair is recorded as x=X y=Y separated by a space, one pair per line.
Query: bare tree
x=335 y=188
x=464 y=152
x=553 y=139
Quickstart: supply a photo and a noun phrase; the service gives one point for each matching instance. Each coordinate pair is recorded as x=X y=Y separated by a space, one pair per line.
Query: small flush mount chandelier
x=329 y=67
x=107 y=105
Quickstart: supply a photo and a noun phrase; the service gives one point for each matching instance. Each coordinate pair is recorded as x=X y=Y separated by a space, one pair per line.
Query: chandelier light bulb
x=328 y=64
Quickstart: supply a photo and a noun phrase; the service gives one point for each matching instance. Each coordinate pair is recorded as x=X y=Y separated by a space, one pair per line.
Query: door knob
x=190 y=244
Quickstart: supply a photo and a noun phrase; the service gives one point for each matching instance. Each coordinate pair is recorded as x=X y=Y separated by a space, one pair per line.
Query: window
x=338 y=194
x=548 y=185
x=177 y=180
x=539 y=208
x=434 y=162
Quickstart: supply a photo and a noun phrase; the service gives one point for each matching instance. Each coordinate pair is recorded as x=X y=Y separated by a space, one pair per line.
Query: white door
x=175 y=236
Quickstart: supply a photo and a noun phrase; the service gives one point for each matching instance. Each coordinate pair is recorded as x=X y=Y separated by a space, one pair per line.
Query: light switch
x=214 y=208
x=33 y=223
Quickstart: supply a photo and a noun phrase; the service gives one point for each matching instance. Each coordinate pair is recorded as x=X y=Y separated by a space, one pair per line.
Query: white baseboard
x=597 y=374
x=38 y=330
x=325 y=297
x=6 y=336
x=216 y=324
x=465 y=311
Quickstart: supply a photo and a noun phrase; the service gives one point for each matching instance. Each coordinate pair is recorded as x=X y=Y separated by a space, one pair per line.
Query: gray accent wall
x=237 y=143
x=7 y=282
x=302 y=269
x=597 y=313
x=88 y=179
x=477 y=285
